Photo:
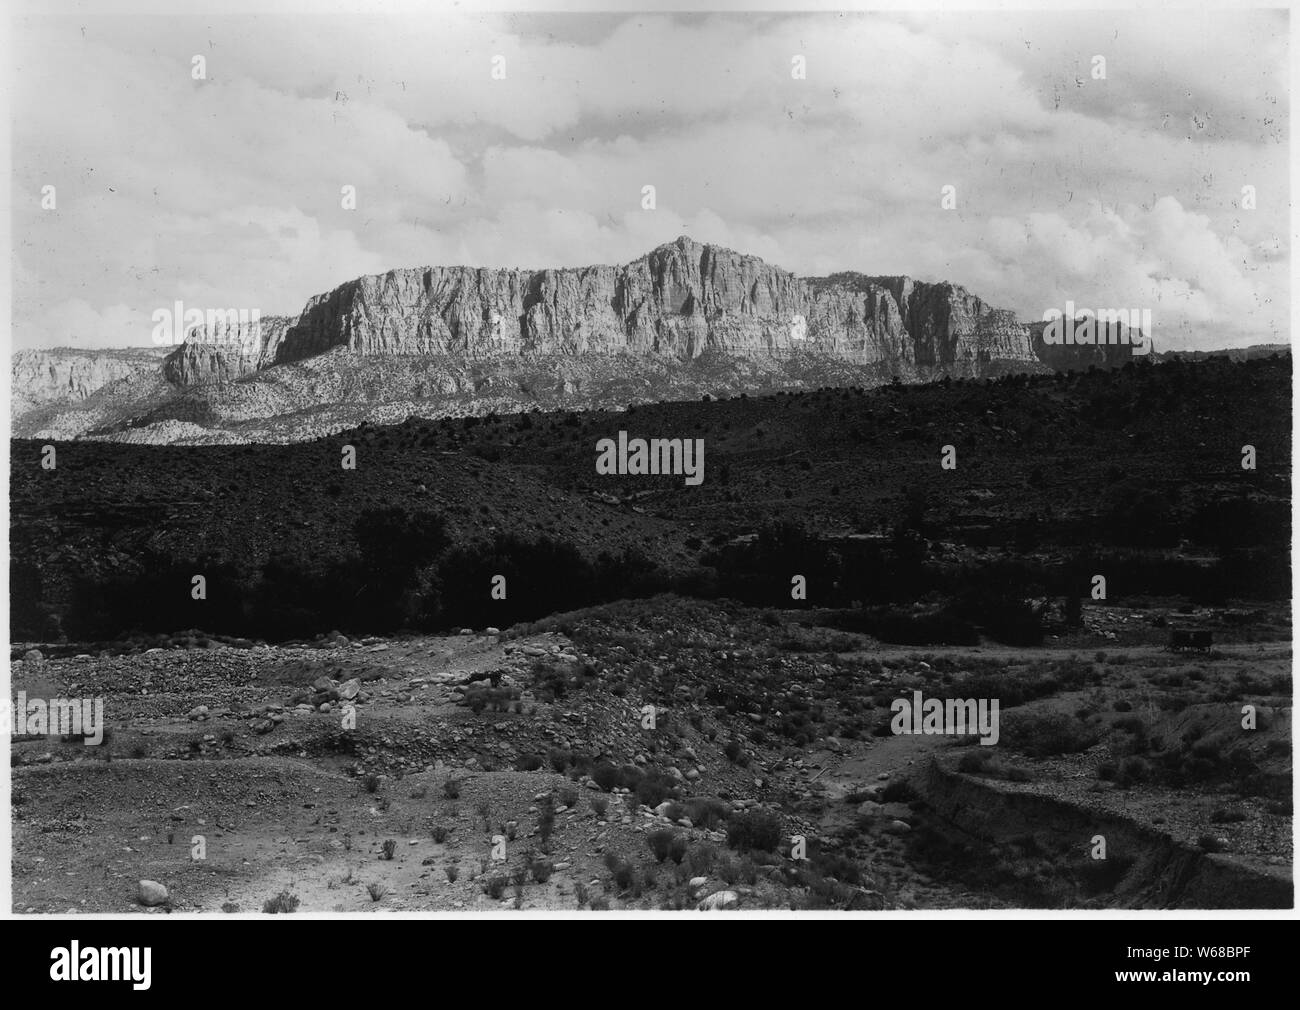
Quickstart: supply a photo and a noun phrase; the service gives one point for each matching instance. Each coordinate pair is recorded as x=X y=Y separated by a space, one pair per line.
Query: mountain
x=685 y=320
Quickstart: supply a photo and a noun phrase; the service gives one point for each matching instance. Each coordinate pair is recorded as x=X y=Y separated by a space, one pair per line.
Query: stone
x=150 y=893
x=349 y=689
x=33 y=656
x=720 y=901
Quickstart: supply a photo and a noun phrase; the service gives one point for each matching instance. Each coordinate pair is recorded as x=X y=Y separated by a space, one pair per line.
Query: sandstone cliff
x=230 y=353
x=68 y=375
x=684 y=320
x=678 y=301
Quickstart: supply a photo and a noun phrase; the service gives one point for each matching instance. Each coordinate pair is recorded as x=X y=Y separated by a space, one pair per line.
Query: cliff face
x=230 y=352
x=66 y=375
x=683 y=320
x=679 y=301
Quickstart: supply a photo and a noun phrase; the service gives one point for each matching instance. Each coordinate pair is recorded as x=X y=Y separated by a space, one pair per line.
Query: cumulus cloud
x=228 y=190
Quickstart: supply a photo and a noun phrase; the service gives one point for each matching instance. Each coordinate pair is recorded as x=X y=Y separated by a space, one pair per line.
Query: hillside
x=1141 y=466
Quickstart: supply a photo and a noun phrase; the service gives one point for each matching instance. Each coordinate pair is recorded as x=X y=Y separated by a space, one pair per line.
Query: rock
x=349 y=689
x=663 y=808
x=673 y=301
x=897 y=828
x=698 y=883
x=198 y=713
x=150 y=893
x=720 y=901
x=33 y=656
x=491 y=631
x=834 y=745
x=467 y=631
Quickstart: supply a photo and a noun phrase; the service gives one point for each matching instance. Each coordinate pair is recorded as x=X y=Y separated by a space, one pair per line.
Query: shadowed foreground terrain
x=651 y=718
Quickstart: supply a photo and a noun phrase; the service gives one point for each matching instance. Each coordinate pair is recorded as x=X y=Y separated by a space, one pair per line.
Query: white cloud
x=228 y=190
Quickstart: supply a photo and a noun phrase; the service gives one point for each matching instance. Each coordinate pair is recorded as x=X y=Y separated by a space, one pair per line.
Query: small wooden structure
x=1190 y=640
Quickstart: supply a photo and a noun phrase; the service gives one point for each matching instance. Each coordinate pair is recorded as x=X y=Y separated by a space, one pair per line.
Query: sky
x=1117 y=191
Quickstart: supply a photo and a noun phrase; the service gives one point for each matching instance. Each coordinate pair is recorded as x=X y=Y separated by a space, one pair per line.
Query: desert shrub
x=559 y=759
x=282 y=903
x=568 y=796
x=1133 y=771
x=495 y=886
x=451 y=789
x=599 y=806
x=1047 y=735
x=898 y=791
x=653 y=788
x=376 y=891
x=754 y=829
x=453 y=873
x=541 y=870
x=973 y=761
x=546 y=821
x=737 y=871
x=677 y=849
x=700 y=860
x=528 y=763
x=389 y=847
x=660 y=841
x=439 y=833
x=605 y=775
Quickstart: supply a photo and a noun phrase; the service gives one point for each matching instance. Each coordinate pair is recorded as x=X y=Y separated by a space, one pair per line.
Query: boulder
x=150 y=893
x=720 y=901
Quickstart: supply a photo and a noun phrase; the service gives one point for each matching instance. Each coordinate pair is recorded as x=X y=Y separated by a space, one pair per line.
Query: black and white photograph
x=506 y=462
